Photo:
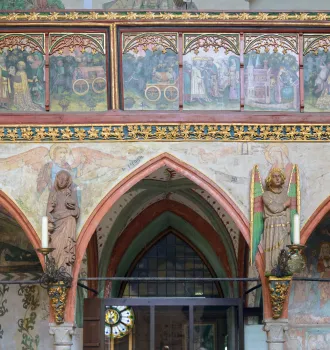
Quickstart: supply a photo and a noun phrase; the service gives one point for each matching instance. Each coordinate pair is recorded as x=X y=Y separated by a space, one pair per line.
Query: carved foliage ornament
x=266 y=42
x=94 y=42
x=314 y=42
x=31 y=42
x=205 y=42
x=150 y=41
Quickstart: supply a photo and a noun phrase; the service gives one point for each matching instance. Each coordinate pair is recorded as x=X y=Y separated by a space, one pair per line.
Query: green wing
x=294 y=195
x=256 y=212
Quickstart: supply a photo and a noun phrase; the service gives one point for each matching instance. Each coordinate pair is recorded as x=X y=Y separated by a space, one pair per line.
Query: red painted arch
x=9 y=205
x=314 y=220
x=130 y=180
x=154 y=211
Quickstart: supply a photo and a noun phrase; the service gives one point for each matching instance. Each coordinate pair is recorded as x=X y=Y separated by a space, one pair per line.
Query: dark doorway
x=164 y=324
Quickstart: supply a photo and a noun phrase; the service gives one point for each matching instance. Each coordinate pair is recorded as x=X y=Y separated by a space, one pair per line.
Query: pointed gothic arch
x=164 y=159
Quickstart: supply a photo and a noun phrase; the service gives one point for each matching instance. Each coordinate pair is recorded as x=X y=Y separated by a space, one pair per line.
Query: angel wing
x=34 y=158
x=256 y=212
x=294 y=195
x=92 y=163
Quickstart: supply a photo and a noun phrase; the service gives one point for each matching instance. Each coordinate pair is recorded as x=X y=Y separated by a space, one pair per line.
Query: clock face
x=119 y=320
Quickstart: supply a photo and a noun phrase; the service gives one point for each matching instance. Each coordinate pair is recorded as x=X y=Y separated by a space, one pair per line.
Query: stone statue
x=63 y=213
x=277 y=225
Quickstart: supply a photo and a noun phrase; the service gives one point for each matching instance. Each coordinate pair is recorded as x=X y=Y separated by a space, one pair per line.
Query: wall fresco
x=316 y=73
x=309 y=302
x=78 y=79
x=27 y=170
x=22 y=82
x=16 y=251
x=150 y=71
x=271 y=72
x=211 y=67
x=150 y=5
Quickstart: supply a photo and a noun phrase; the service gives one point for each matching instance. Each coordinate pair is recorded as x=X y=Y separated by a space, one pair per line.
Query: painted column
x=63 y=335
x=275 y=330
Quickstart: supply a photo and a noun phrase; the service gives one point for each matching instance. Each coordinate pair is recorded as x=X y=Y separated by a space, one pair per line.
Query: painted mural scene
x=16 y=252
x=316 y=73
x=211 y=78
x=271 y=73
x=78 y=75
x=309 y=302
x=150 y=72
x=22 y=81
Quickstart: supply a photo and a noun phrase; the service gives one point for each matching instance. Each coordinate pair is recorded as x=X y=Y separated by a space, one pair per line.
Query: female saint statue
x=62 y=213
x=277 y=227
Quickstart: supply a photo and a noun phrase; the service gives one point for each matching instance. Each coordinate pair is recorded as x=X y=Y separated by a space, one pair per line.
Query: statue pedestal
x=63 y=334
x=275 y=330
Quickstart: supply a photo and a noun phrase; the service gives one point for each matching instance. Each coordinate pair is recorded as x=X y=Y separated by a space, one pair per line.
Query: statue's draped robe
x=63 y=237
x=276 y=234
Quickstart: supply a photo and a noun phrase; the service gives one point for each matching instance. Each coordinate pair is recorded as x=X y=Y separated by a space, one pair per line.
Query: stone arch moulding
x=18 y=215
x=164 y=159
x=314 y=220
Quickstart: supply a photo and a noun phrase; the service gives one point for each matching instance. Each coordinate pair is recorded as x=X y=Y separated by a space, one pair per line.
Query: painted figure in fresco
x=323 y=267
x=63 y=213
x=187 y=82
x=5 y=89
x=36 y=70
x=211 y=79
x=277 y=226
x=22 y=94
x=58 y=155
x=83 y=163
x=198 y=91
x=278 y=157
x=233 y=80
x=59 y=80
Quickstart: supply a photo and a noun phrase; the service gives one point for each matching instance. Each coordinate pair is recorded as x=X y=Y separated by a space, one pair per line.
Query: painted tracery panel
x=316 y=73
x=271 y=72
x=78 y=79
x=150 y=71
x=22 y=81
x=211 y=66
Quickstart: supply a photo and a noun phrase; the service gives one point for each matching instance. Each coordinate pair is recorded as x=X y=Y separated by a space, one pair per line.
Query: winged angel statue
x=272 y=212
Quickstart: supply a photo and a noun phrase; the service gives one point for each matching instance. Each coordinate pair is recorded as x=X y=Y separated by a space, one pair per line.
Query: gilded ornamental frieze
x=166 y=132
x=307 y=18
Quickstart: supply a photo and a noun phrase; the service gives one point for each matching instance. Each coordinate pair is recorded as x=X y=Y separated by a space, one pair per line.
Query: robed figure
x=272 y=213
x=63 y=213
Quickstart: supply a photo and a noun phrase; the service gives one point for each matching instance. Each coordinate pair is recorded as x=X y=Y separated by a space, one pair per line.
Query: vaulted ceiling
x=168 y=186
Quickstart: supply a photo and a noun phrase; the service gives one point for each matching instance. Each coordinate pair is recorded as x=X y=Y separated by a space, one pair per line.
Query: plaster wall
x=96 y=168
x=24 y=319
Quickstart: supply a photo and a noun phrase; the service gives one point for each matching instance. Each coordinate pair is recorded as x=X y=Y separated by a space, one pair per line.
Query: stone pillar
x=275 y=330
x=63 y=334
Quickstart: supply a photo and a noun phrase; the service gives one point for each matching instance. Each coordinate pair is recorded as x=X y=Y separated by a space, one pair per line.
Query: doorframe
x=190 y=302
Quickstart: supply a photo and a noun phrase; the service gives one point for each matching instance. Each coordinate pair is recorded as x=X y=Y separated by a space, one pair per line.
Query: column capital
x=63 y=334
x=275 y=330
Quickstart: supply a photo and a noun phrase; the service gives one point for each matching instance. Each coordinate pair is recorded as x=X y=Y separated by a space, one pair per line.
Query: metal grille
x=171 y=257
